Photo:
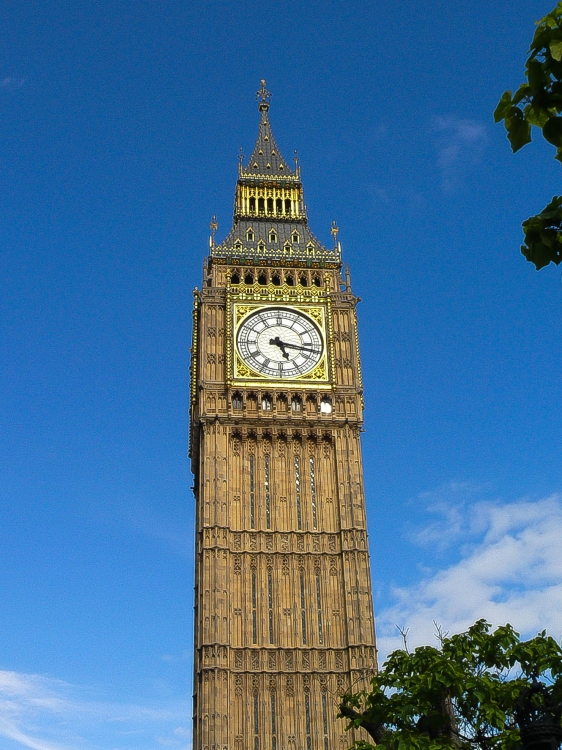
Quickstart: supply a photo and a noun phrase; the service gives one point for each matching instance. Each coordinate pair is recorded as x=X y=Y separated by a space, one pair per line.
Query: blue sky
x=120 y=128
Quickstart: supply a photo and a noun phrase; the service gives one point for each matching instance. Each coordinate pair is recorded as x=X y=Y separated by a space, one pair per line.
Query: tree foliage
x=538 y=103
x=461 y=696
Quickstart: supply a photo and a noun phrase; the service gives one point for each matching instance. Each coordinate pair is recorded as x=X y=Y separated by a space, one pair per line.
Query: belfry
x=283 y=606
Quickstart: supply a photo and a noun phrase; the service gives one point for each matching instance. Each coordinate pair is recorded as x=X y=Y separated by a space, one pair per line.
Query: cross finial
x=264 y=97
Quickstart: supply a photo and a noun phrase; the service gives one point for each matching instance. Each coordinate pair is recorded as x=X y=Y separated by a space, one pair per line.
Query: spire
x=266 y=159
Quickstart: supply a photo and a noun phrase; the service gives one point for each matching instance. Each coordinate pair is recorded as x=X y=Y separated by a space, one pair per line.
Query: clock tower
x=283 y=607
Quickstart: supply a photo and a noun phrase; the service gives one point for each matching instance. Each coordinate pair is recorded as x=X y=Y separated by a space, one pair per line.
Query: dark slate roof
x=266 y=158
x=308 y=248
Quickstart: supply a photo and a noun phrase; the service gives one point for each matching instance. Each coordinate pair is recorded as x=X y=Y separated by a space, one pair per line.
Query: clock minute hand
x=302 y=348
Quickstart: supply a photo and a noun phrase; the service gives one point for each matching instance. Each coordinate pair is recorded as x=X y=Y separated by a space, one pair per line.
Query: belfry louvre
x=283 y=606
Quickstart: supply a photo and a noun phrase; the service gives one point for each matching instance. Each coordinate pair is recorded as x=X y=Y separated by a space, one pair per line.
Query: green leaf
x=535 y=115
x=536 y=74
x=552 y=131
x=503 y=107
x=518 y=129
x=555 y=48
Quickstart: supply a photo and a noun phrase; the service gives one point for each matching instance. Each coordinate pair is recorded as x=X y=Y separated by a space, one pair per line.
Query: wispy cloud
x=9 y=83
x=42 y=713
x=507 y=567
x=459 y=145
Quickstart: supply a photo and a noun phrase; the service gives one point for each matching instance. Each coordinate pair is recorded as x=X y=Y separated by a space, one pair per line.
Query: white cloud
x=459 y=144
x=42 y=713
x=507 y=567
x=9 y=83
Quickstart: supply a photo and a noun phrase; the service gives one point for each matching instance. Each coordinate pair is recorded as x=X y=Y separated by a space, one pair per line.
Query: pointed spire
x=266 y=158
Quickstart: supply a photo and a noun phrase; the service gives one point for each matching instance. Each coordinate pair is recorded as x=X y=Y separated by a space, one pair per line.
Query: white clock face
x=279 y=343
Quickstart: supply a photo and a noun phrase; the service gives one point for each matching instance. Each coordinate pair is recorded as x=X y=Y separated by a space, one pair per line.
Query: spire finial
x=213 y=226
x=264 y=97
x=334 y=230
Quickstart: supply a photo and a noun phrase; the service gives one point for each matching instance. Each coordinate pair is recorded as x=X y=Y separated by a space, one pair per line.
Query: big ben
x=283 y=605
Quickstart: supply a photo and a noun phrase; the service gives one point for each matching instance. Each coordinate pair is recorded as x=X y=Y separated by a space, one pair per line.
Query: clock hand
x=302 y=348
x=277 y=342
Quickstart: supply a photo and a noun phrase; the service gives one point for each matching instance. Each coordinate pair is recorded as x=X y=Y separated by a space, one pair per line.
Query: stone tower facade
x=283 y=607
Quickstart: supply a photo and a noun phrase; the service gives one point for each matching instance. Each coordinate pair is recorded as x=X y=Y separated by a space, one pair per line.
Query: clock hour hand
x=277 y=342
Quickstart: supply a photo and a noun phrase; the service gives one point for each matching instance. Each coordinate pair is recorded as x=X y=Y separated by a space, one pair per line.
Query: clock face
x=279 y=343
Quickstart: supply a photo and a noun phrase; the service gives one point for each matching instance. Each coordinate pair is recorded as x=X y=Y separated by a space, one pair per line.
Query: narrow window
x=276 y=279
x=303 y=610
x=289 y=280
x=273 y=236
x=249 y=278
x=262 y=279
x=270 y=205
x=235 y=278
x=252 y=495
x=296 y=404
x=267 y=492
x=261 y=205
x=254 y=612
x=303 y=281
x=252 y=206
x=307 y=713
x=279 y=206
x=298 y=491
x=287 y=206
x=316 y=281
x=319 y=607
x=270 y=602
x=295 y=238
x=313 y=492
x=273 y=715
x=325 y=718
x=250 y=235
x=266 y=403
x=256 y=719
x=237 y=401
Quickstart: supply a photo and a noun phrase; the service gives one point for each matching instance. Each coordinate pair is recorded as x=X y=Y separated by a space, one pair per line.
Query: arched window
x=295 y=238
x=261 y=205
x=289 y=280
x=262 y=279
x=303 y=281
x=287 y=206
x=235 y=278
x=279 y=206
x=252 y=205
x=316 y=280
x=326 y=406
x=273 y=236
x=266 y=403
x=250 y=235
x=237 y=401
x=296 y=404
x=249 y=278
x=276 y=279
x=270 y=205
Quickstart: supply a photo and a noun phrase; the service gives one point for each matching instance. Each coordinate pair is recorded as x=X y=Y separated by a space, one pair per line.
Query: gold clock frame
x=317 y=313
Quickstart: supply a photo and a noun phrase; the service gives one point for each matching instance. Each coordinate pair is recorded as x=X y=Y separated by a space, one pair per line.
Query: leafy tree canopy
x=538 y=102
x=461 y=696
